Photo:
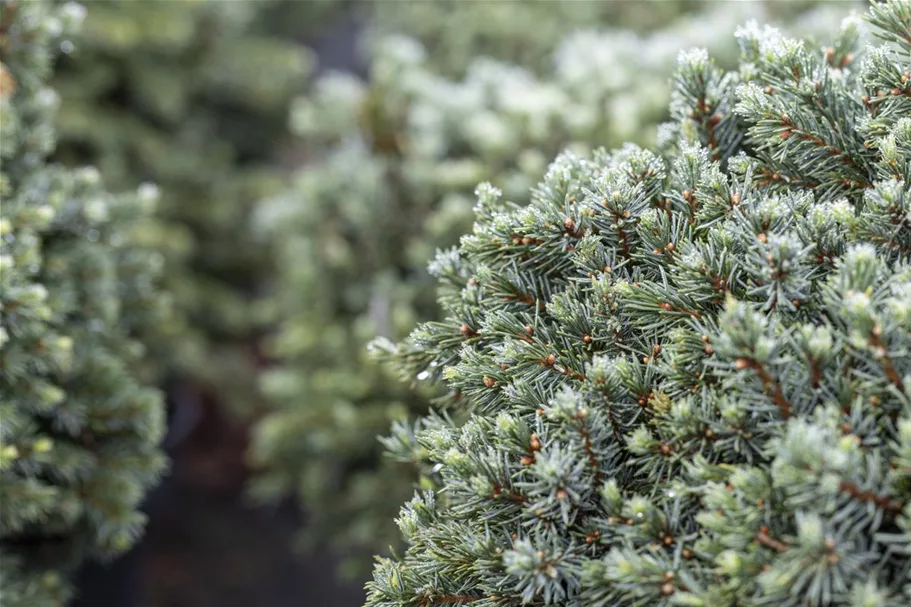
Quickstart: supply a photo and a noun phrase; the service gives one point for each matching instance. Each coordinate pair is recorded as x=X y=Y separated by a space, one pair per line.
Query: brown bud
x=529 y=329
x=569 y=224
x=489 y=381
x=7 y=82
x=587 y=339
x=527 y=460
x=466 y=330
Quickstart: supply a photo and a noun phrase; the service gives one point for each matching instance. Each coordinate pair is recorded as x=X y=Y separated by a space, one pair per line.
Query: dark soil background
x=207 y=546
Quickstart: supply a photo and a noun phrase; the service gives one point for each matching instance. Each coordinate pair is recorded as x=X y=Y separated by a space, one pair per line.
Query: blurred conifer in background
x=191 y=95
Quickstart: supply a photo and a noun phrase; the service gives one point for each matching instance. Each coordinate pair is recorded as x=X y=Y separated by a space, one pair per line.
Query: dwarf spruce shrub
x=391 y=178
x=683 y=377
x=78 y=429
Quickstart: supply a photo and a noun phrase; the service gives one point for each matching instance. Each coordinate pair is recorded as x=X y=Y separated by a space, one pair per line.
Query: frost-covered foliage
x=684 y=378
x=79 y=431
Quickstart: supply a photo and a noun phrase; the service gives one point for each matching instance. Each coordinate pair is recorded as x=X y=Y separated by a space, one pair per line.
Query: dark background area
x=206 y=545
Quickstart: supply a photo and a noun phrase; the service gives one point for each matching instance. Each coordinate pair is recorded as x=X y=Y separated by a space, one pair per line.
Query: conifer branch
x=768 y=541
x=772 y=387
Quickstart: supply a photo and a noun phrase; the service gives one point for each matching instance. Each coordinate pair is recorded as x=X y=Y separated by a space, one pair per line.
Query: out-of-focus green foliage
x=457 y=32
x=396 y=163
x=191 y=95
x=79 y=431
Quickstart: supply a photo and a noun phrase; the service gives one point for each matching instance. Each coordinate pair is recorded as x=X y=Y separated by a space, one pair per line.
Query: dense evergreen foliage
x=393 y=168
x=682 y=378
x=78 y=429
